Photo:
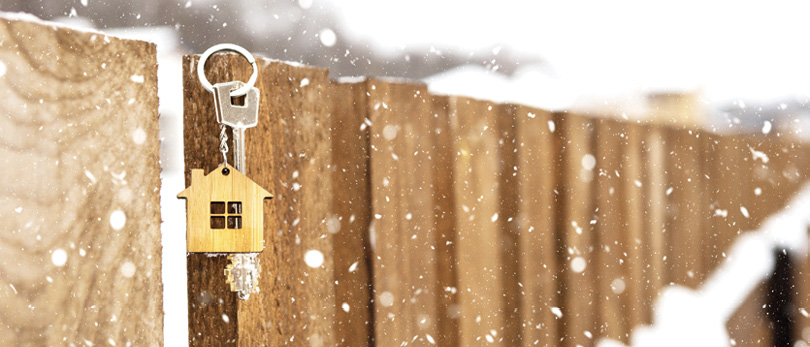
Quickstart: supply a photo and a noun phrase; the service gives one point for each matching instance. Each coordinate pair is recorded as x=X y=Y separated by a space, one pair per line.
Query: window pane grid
x=230 y=218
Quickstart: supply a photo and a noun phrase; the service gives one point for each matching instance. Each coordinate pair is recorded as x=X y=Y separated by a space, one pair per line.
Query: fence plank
x=288 y=154
x=802 y=297
x=538 y=254
x=636 y=237
x=684 y=221
x=405 y=274
x=510 y=234
x=351 y=214
x=79 y=189
x=655 y=196
x=575 y=253
x=726 y=166
x=481 y=237
x=442 y=155
x=611 y=239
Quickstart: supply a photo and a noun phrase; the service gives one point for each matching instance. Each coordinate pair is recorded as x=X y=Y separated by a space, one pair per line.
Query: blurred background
x=725 y=66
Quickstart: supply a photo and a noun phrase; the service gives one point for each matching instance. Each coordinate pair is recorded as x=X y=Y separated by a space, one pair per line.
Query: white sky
x=729 y=49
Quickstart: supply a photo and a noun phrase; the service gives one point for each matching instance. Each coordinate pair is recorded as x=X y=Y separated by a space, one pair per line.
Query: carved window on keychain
x=233 y=215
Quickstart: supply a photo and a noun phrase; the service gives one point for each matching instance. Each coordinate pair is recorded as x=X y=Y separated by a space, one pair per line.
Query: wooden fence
x=443 y=220
x=457 y=222
x=80 y=252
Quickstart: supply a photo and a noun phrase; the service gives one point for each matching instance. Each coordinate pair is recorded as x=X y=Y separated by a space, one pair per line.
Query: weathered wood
x=406 y=288
x=351 y=213
x=79 y=199
x=577 y=270
x=654 y=191
x=636 y=237
x=455 y=222
x=725 y=167
x=684 y=221
x=444 y=214
x=611 y=262
x=481 y=240
x=289 y=154
x=802 y=297
x=536 y=220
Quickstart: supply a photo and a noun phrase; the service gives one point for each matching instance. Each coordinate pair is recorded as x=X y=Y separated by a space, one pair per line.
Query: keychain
x=224 y=209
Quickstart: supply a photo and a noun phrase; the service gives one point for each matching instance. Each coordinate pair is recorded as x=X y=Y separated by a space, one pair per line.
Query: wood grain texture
x=509 y=212
x=684 y=219
x=725 y=167
x=217 y=186
x=482 y=274
x=636 y=237
x=452 y=221
x=405 y=271
x=535 y=133
x=575 y=231
x=654 y=191
x=802 y=297
x=351 y=213
x=289 y=154
x=79 y=189
x=610 y=231
x=444 y=214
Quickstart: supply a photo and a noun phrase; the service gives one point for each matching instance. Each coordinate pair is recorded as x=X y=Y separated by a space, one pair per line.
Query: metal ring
x=227 y=47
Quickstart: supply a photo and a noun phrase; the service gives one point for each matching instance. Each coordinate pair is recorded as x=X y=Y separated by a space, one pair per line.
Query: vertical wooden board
x=442 y=154
x=79 y=189
x=209 y=297
x=508 y=204
x=289 y=155
x=636 y=236
x=769 y=181
x=655 y=188
x=351 y=212
x=684 y=221
x=609 y=231
x=479 y=241
x=802 y=297
x=778 y=170
x=798 y=152
x=721 y=155
x=536 y=220
x=576 y=258
x=404 y=246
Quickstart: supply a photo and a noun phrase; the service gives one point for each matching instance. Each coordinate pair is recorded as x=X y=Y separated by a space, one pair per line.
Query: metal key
x=238 y=117
x=243 y=271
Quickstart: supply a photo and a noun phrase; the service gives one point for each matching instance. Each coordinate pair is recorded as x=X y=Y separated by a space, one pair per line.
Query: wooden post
x=406 y=292
x=537 y=237
x=612 y=245
x=79 y=188
x=483 y=274
x=577 y=276
x=684 y=222
x=444 y=213
x=351 y=213
x=289 y=155
x=636 y=238
x=654 y=191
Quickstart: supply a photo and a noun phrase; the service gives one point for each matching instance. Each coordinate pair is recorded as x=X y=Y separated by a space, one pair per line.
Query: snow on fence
x=451 y=221
x=80 y=244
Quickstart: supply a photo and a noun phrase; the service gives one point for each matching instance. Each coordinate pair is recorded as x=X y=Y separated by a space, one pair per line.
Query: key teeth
x=242 y=274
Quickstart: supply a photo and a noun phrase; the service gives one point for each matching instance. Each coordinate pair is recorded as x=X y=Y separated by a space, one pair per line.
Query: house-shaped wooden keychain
x=225 y=212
